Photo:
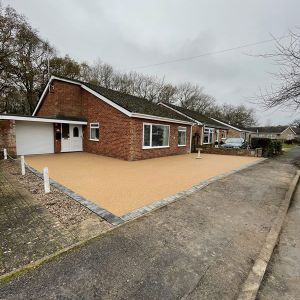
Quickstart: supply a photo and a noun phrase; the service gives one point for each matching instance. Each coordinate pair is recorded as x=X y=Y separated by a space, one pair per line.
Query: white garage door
x=34 y=138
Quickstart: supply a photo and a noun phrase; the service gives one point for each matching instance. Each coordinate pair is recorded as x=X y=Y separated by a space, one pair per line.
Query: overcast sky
x=129 y=34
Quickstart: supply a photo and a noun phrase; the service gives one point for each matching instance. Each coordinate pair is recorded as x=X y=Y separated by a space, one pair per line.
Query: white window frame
x=184 y=130
x=94 y=126
x=209 y=130
x=154 y=147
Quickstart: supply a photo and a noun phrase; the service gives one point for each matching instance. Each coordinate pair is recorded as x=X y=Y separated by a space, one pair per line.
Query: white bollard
x=23 y=165
x=46 y=181
x=5 y=153
x=199 y=154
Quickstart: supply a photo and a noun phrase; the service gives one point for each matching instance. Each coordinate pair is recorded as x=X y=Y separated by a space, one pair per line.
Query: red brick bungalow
x=206 y=132
x=76 y=116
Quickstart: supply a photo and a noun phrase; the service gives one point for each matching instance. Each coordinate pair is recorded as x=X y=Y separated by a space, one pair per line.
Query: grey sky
x=132 y=33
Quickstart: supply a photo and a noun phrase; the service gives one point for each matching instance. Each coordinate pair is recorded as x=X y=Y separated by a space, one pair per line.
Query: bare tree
x=192 y=97
x=100 y=74
x=168 y=93
x=286 y=93
x=296 y=123
x=235 y=115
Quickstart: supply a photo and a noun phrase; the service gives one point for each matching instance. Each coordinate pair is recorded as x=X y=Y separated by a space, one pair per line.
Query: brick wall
x=64 y=100
x=233 y=133
x=115 y=128
x=237 y=152
x=8 y=136
x=136 y=150
x=120 y=135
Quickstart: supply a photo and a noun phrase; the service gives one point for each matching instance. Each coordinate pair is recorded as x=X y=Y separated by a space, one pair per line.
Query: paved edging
x=251 y=285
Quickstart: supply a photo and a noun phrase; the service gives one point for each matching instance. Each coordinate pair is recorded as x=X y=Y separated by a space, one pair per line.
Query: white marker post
x=5 y=153
x=46 y=180
x=23 y=165
x=199 y=154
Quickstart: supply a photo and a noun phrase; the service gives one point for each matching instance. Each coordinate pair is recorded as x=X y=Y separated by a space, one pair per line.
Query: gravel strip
x=68 y=212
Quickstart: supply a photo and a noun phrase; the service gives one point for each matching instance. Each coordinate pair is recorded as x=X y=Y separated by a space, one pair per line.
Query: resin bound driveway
x=121 y=186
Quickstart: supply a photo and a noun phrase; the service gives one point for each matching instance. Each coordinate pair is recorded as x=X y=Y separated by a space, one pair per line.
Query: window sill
x=158 y=147
x=94 y=140
x=181 y=145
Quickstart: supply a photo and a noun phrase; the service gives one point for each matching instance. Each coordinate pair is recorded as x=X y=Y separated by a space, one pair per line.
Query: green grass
x=288 y=146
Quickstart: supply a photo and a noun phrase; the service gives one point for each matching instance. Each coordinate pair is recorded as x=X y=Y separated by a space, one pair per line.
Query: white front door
x=71 y=138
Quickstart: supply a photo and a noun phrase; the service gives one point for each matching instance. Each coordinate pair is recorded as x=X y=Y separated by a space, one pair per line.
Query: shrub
x=269 y=147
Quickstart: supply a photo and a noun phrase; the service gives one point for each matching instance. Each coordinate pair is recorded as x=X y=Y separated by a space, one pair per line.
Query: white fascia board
x=287 y=129
x=228 y=125
x=167 y=106
x=157 y=118
x=43 y=120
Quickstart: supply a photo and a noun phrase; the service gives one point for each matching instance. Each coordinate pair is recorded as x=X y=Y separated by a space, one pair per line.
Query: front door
x=71 y=137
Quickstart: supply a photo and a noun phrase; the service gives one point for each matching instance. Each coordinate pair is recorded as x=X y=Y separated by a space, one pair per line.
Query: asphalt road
x=282 y=278
x=200 y=247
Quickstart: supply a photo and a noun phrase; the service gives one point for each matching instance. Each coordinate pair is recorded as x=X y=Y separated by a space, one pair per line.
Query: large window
x=208 y=135
x=181 y=136
x=94 y=131
x=156 y=136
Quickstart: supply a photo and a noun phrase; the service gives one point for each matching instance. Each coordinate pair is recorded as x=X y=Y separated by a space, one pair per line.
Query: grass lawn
x=287 y=147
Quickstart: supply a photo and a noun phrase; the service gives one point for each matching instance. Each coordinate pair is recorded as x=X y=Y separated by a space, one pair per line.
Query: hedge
x=269 y=147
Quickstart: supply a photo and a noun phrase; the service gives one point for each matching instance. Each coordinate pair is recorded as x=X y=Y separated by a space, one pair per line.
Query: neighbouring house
x=297 y=131
x=235 y=131
x=205 y=130
x=76 y=116
x=282 y=133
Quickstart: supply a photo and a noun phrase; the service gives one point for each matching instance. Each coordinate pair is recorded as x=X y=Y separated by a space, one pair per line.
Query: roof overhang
x=39 y=119
x=180 y=113
x=289 y=127
x=106 y=100
x=156 y=118
x=232 y=127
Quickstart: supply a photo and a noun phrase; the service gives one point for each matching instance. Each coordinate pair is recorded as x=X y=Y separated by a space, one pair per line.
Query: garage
x=34 y=138
x=25 y=135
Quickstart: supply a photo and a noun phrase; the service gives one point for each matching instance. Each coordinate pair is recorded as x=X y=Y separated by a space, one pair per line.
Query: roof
x=131 y=105
x=296 y=130
x=269 y=129
x=233 y=126
x=195 y=116
x=79 y=121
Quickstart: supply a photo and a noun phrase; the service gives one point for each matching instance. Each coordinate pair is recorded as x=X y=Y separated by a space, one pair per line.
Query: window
x=181 y=136
x=208 y=135
x=75 y=132
x=94 y=131
x=156 y=136
x=65 y=131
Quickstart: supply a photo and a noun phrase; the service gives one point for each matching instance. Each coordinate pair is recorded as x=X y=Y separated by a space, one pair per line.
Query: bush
x=269 y=147
x=289 y=142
